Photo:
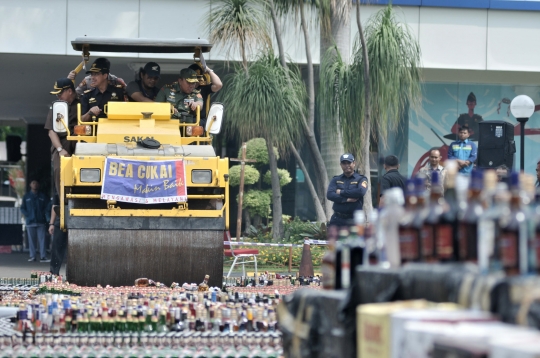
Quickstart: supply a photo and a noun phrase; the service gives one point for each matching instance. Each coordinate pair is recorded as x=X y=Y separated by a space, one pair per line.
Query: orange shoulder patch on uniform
x=364 y=184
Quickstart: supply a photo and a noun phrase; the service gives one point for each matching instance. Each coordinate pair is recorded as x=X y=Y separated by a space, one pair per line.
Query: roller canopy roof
x=107 y=44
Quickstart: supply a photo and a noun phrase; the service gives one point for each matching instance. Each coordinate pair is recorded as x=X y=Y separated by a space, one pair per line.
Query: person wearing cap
x=64 y=91
x=469 y=119
x=346 y=191
x=145 y=88
x=85 y=84
x=93 y=100
x=207 y=87
x=182 y=95
x=392 y=178
x=464 y=151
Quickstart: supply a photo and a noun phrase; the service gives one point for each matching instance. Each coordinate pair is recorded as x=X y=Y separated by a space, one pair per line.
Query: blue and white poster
x=144 y=182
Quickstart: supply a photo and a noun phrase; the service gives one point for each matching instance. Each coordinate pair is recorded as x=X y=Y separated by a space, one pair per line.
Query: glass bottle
x=513 y=240
x=409 y=234
x=468 y=226
x=328 y=264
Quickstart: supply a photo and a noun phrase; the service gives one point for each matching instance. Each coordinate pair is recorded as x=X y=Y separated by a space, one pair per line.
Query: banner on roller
x=144 y=182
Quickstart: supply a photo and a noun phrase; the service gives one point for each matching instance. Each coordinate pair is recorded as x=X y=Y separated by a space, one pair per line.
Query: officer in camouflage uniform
x=347 y=192
x=183 y=94
x=469 y=119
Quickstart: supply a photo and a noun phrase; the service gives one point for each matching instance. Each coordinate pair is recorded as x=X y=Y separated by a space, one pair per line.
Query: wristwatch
x=59 y=149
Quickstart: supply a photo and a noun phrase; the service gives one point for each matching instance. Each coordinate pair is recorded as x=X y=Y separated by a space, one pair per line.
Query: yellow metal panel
x=120 y=130
x=133 y=110
x=118 y=212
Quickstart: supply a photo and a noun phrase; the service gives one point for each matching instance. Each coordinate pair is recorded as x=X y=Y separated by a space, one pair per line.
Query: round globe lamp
x=522 y=108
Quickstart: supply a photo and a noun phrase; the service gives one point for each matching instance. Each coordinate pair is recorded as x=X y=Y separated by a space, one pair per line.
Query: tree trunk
x=277 y=212
x=243 y=53
x=366 y=125
x=332 y=141
x=277 y=31
x=311 y=81
x=247 y=220
x=320 y=168
x=321 y=216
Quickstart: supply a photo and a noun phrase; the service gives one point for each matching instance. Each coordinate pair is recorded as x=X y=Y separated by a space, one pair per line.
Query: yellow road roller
x=144 y=194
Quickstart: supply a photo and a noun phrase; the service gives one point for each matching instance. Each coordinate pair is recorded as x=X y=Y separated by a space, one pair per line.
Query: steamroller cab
x=144 y=194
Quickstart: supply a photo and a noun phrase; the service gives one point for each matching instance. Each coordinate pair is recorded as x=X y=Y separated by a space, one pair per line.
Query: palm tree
x=375 y=90
x=238 y=24
x=266 y=89
x=309 y=133
x=335 y=32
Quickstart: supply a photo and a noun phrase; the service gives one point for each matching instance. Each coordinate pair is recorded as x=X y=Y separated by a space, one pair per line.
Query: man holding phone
x=183 y=95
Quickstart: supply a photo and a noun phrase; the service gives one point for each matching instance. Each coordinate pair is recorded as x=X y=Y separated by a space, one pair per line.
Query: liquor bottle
x=440 y=245
x=342 y=260
x=409 y=234
x=203 y=286
x=468 y=226
x=328 y=264
x=488 y=221
x=388 y=228
x=356 y=241
x=513 y=239
x=450 y=217
x=535 y=246
x=370 y=254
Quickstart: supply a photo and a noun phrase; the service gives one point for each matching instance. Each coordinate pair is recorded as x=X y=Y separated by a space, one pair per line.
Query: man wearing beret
x=145 y=88
x=183 y=94
x=347 y=192
x=93 y=100
x=64 y=91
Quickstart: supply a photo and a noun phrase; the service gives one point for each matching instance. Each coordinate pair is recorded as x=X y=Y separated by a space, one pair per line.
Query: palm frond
x=262 y=103
x=238 y=24
x=395 y=78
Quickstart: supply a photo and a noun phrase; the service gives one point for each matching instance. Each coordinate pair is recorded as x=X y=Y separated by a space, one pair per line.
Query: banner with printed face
x=144 y=182
x=448 y=106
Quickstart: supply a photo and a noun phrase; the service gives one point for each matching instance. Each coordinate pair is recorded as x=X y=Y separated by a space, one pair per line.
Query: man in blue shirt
x=463 y=151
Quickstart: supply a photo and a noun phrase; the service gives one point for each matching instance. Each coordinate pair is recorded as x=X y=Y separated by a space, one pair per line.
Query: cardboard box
x=440 y=314
x=374 y=325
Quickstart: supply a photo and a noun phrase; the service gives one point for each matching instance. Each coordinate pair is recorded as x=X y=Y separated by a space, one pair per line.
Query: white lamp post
x=522 y=107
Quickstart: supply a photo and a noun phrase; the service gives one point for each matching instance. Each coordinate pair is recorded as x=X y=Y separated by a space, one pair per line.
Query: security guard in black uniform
x=93 y=100
x=346 y=191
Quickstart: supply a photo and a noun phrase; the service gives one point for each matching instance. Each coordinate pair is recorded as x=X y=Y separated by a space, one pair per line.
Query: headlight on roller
x=201 y=176
x=90 y=175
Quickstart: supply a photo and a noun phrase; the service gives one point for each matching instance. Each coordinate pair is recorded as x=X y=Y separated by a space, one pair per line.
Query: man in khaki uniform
x=182 y=94
x=64 y=91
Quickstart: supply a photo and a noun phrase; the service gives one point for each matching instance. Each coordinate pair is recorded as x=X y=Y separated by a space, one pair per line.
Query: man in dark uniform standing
x=469 y=119
x=346 y=191
x=64 y=91
x=93 y=100
x=392 y=178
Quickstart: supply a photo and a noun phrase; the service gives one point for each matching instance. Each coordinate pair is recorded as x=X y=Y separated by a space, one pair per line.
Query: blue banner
x=144 y=182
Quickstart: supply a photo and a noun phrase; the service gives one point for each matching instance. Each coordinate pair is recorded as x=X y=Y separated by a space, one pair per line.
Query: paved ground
x=16 y=265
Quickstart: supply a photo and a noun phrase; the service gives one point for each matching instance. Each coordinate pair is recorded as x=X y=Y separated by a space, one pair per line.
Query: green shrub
x=251 y=175
x=257 y=202
x=279 y=256
x=284 y=177
x=256 y=150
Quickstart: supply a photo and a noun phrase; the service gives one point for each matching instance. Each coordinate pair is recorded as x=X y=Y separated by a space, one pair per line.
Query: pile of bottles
x=267 y=282
x=140 y=320
x=478 y=219
x=171 y=344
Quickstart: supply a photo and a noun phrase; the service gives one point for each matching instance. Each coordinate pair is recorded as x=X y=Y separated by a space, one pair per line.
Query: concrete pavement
x=16 y=265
